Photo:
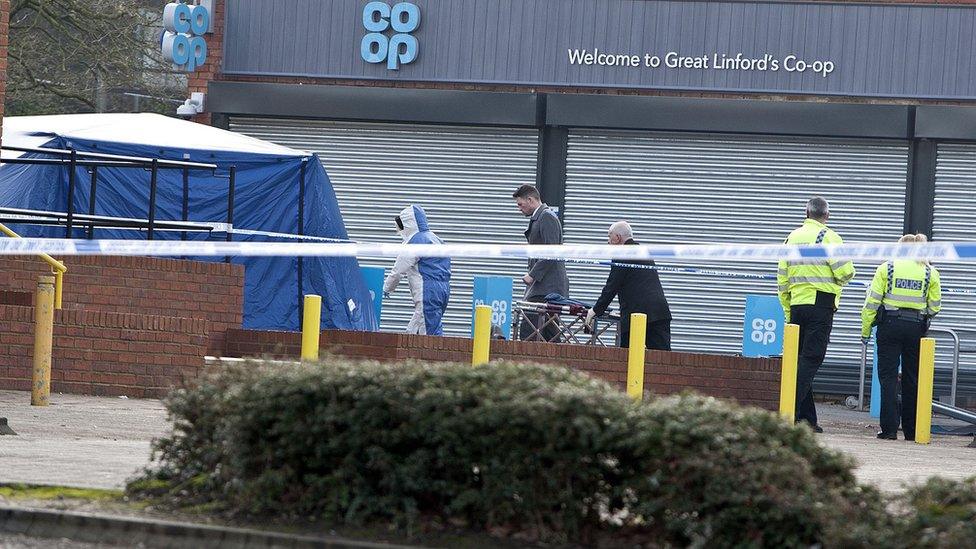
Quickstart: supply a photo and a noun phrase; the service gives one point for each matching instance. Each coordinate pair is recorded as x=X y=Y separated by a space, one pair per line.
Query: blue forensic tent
x=266 y=198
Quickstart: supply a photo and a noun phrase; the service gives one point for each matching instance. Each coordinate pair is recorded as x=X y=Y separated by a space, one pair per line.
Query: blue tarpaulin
x=266 y=198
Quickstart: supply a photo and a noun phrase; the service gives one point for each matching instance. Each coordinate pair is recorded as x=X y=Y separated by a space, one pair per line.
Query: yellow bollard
x=926 y=373
x=787 y=383
x=482 y=335
x=635 y=356
x=311 y=327
x=43 y=341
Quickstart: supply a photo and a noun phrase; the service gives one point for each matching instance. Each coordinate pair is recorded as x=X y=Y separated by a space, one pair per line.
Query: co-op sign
x=389 y=39
x=388 y=34
x=714 y=61
x=182 y=42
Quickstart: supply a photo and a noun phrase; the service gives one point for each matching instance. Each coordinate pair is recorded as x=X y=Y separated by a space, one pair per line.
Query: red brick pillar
x=199 y=79
x=4 y=39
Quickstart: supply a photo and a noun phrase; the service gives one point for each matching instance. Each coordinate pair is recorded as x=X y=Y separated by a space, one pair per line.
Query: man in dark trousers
x=545 y=276
x=639 y=291
x=809 y=290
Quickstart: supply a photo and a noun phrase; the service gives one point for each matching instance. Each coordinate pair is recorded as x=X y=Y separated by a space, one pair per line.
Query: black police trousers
x=658 y=336
x=898 y=341
x=815 y=322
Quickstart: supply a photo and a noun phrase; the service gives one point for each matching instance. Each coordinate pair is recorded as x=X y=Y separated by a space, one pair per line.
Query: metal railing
x=57 y=267
x=72 y=159
x=957 y=348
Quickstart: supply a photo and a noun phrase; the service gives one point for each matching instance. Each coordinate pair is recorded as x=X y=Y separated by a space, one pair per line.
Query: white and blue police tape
x=727 y=274
x=585 y=254
x=228 y=228
x=941 y=251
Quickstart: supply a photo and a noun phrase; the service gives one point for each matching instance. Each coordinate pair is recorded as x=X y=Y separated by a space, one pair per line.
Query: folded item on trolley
x=558 y=304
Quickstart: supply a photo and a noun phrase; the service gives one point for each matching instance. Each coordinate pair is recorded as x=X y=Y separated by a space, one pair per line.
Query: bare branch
x=62 y=52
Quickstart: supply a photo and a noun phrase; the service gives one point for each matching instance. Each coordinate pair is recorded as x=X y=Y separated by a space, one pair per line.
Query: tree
x=70 y=56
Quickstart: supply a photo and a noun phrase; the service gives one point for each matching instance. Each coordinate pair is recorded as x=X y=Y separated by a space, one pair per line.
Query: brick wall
x=197 y=80
x=22 y=299
x=753 y=382
x=4 y=38
x=104 y=353
x=212 y=71
x=142 y=285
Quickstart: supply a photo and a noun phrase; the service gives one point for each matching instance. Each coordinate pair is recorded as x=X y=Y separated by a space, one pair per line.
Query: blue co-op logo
x=182 y=42
x=400 y=47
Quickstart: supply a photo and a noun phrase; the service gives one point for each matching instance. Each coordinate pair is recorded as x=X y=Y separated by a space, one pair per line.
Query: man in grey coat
x=545 y=276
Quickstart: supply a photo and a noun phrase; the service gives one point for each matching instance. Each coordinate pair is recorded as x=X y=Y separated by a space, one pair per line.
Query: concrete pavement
x=892 y=464
x=91 y=442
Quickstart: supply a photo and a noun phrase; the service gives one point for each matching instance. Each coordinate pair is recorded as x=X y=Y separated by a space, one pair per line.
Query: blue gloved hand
x=865 y=341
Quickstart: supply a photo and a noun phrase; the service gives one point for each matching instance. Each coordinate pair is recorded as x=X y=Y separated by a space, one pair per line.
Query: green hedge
x=543 y=451
x=939 y=513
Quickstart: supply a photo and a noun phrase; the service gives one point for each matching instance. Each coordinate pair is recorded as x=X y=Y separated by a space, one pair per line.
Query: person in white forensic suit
x=429 y=278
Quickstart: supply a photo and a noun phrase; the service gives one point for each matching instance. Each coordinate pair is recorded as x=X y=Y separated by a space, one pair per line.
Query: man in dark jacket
x=639 y=291
x=545 y=276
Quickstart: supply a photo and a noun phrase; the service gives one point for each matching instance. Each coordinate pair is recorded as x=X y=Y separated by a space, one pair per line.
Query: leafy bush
x=716 y=473
x=939 y=513
x=540 y=450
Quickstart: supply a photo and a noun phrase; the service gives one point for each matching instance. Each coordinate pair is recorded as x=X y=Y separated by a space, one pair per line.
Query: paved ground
x=100 y=442
x=24 y=542
x=81 y=441
x=891 y=464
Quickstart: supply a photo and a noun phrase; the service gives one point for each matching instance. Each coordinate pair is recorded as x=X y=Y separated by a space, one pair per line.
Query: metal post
x=43 y=341
x=926 y=374
x=311 y=327
x=481 y=349
x=71 y=193
x=301 y=231
x=230 y=206
x=860 y=385
x=58 y=288
x=186 y=197
x=91 y=200
x=152 y=197
x=956 y=343
x=635 y=356
x=301 y=198
x=955 y=367
x=787 y=384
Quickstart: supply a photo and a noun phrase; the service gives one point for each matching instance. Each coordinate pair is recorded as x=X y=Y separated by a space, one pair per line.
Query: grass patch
x=36 y=492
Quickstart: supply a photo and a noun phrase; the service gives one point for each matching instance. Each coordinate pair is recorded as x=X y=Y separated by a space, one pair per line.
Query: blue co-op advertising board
x=762 y=330
x=495 y=291
x=374 y=276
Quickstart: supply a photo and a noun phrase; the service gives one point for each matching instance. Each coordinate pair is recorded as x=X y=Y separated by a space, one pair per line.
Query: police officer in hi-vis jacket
x=903 y=298
x=809 y=291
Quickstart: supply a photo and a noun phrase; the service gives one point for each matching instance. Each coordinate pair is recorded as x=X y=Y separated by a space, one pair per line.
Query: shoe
x=887 y=436
x=816 y=428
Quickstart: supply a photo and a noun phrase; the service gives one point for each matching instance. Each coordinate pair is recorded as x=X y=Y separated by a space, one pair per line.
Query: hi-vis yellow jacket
x=800 y=280
x=902 y=284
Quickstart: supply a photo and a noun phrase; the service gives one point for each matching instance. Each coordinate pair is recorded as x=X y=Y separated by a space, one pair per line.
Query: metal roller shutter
x=713 y=189
x=463 y=177
x=954 y=217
